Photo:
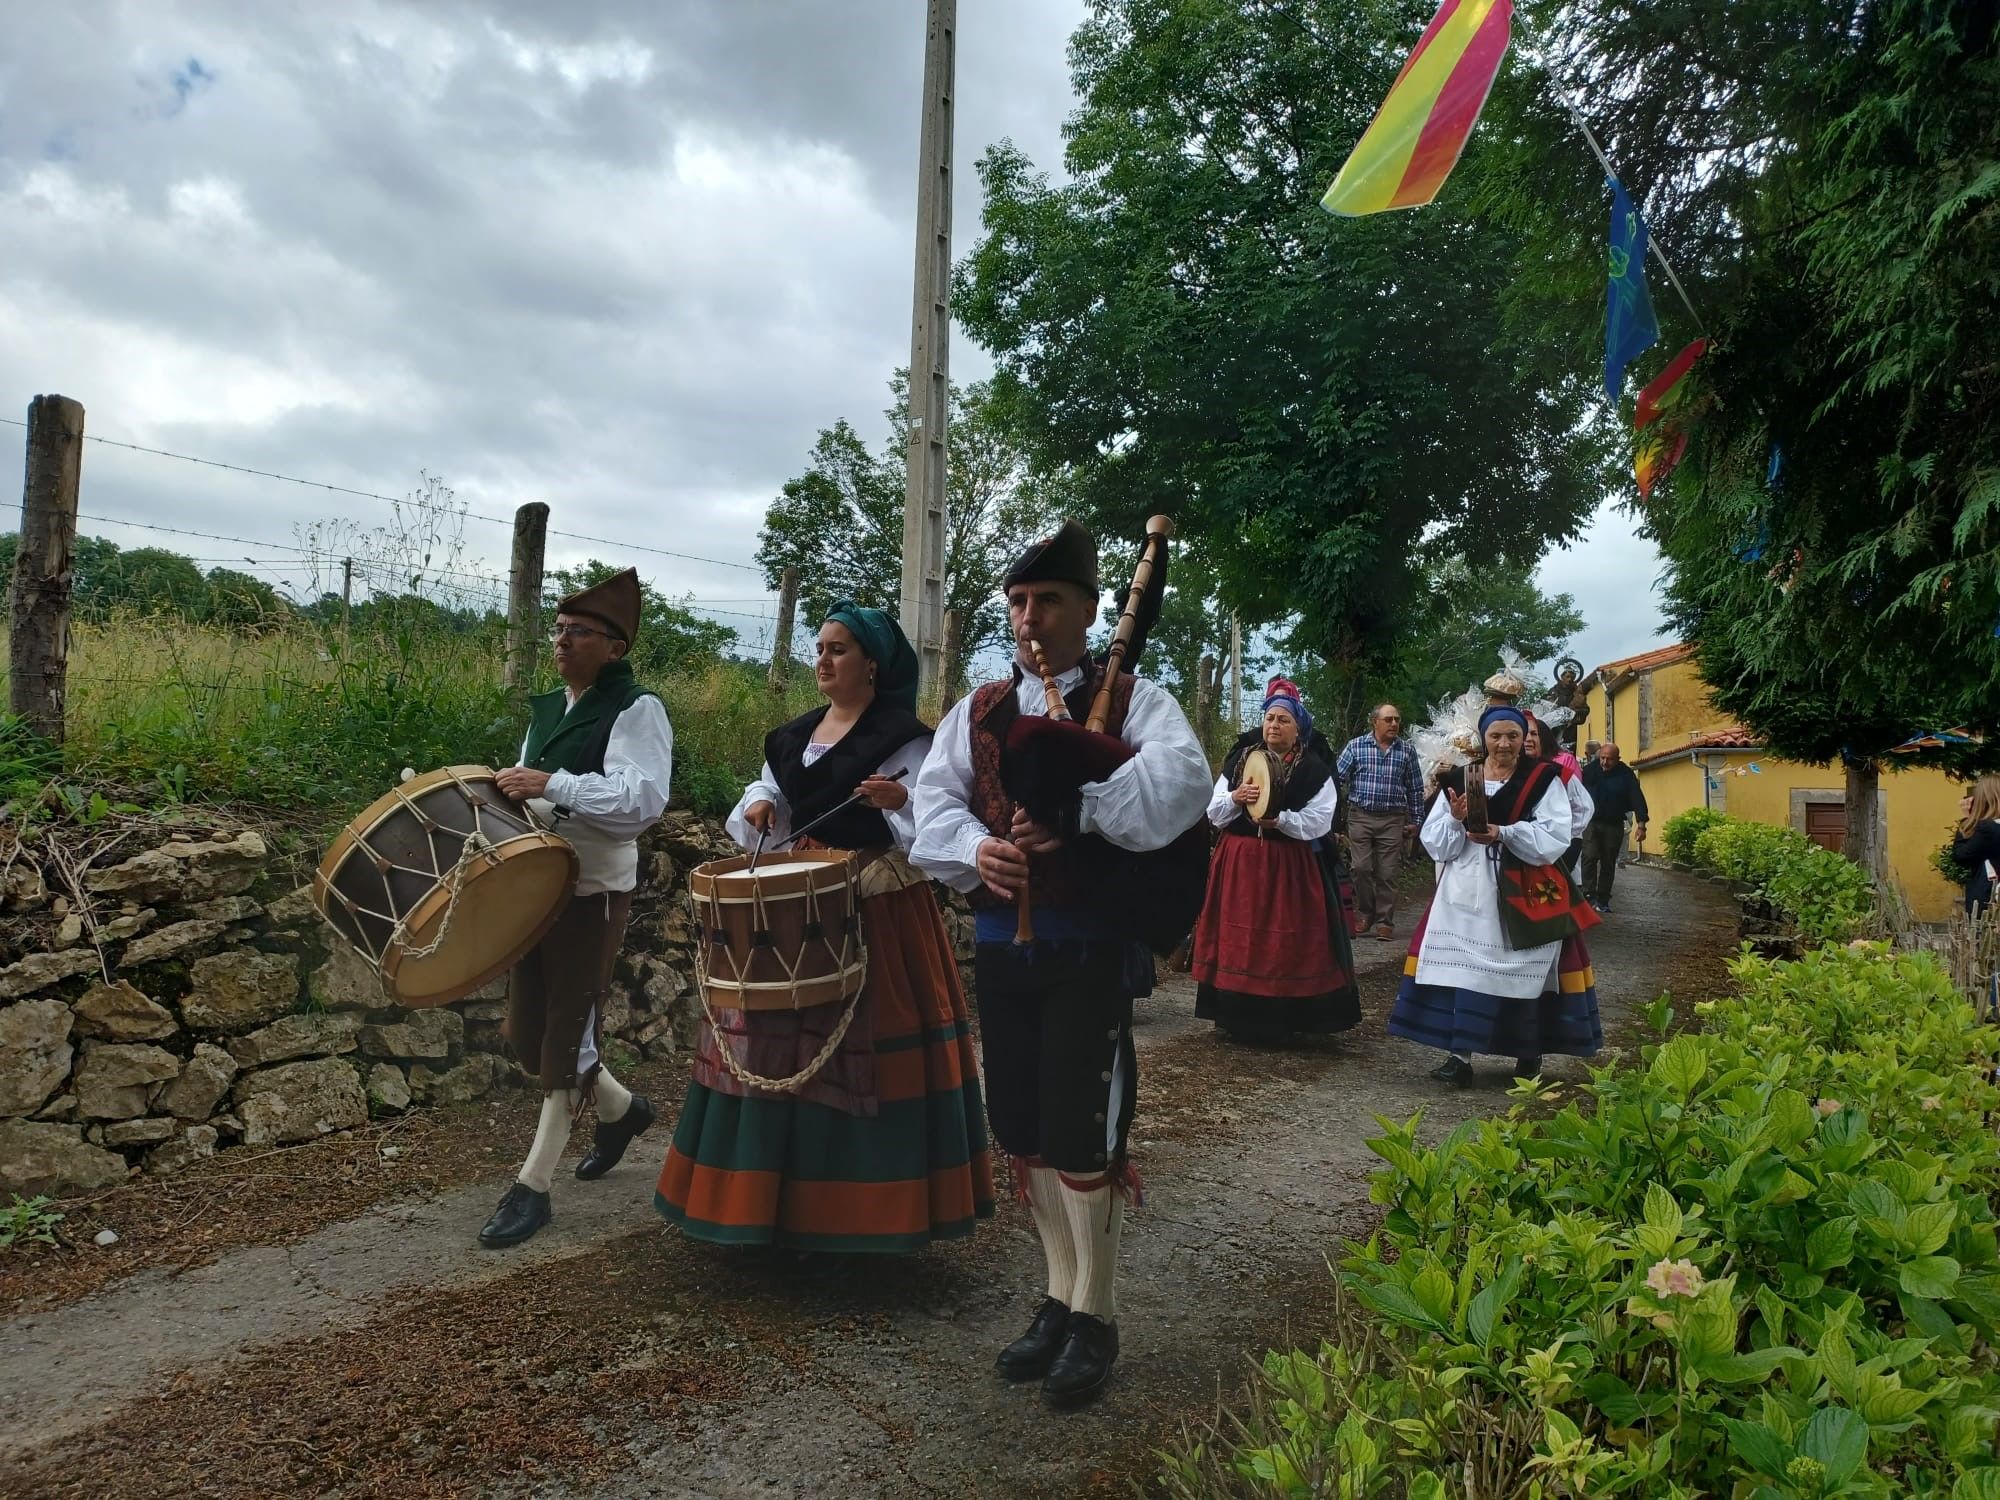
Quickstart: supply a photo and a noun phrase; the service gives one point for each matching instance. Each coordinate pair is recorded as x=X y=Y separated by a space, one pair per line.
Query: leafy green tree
x=840 y=523
x=241 y=599
x=1316 y=400
x=1827 y=178
x=672 y=638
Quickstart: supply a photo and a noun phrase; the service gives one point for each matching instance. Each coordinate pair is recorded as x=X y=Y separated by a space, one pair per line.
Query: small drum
x=443 y=884
x=1266 y=772
x=782 y=936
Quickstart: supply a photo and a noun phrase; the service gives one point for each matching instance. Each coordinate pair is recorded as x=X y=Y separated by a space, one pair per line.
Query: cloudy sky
x=623 y=257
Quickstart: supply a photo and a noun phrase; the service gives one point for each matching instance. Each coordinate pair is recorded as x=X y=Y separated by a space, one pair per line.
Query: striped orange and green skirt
x=897 y=1169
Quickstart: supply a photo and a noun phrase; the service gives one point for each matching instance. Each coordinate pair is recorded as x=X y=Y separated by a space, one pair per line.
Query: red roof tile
x=1665 y=656
x=1736 y=737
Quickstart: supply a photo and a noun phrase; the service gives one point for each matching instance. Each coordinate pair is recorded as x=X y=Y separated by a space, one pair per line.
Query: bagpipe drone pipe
x=1152 y=897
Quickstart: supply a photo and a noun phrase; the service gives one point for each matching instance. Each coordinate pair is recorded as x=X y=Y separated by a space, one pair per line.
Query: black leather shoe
x=1030 y=1355
x=519 y=1215
x=1084 y=1365
x=1455 y=1071
x=607 y=1145
x=1527 y=1067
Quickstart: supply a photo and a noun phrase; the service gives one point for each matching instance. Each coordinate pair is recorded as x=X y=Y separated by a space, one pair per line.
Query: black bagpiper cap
x=1070 y=556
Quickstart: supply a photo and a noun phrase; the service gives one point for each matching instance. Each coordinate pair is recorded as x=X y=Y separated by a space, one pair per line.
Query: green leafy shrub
x=1682 y=829
x=1945 y=865
x=28 y=1221
x=1830 y=898
x=1760 y=1263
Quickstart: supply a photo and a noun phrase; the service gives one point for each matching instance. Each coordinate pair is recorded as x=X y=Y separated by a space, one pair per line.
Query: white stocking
x=551 y=1135
x=1045 y=1191
x=613 y=1098
x=1096 y=1223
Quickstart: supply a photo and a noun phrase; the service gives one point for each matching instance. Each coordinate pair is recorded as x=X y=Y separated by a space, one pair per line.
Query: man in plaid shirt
x=1384 y=791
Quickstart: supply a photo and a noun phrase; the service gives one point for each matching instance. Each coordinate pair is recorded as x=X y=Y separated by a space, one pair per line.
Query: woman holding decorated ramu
x=1498 y=964
x=883 y=1148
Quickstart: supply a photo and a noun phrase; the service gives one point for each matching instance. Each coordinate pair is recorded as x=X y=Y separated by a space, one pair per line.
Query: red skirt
x=1264 y=928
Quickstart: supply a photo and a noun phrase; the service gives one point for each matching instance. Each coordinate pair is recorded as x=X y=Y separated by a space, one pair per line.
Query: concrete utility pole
x=1235 y=676
x=922 y=605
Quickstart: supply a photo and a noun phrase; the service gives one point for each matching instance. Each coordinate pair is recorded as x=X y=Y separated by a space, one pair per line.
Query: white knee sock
x=1045 y=1192
x=1096 y=1223
x=613 y=1098
x=551 y=1135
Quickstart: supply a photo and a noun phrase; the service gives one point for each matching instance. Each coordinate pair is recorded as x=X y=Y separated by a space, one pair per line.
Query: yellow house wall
x=1918 y=807
x=1680 y=707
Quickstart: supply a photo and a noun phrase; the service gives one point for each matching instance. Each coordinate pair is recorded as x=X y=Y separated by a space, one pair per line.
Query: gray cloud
x=626 y=258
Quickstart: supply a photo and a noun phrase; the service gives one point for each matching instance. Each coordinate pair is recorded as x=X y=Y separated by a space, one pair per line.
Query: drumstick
x=761 y=832
x=897 y=776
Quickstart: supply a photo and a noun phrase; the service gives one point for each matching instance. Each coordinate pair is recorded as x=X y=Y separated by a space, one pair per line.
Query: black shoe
x=1084 y=1365
x=1455 y=1071
x=519 y=1215
x=1527 y=1067
x=607 y=1145
x=1030 y=1355
x=1605 y=907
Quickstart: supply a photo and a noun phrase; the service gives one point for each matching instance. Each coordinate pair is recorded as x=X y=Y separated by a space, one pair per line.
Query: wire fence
x=316 y=564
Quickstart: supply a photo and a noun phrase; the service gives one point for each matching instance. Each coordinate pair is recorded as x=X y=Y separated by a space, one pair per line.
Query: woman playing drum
x=884 y=1147
x=1271 y=950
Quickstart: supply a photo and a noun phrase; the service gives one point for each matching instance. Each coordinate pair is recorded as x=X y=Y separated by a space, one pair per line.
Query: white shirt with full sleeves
x=1581 y=806
x=1145 y=804
x=1464 y=945
x=902 y=821
x=1313 y=821
x=602 y=813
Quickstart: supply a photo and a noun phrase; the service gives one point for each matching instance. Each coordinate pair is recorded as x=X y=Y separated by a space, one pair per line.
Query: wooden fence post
x=781 y=638
x=524 y=594
x=954 y=659
x=38 y=663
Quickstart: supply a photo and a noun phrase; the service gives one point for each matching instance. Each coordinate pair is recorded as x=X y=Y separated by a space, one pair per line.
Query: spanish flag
x=1403 y=158
x=1660 y=425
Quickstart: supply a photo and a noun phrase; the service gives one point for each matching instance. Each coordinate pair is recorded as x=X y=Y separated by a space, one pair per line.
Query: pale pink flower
x=1933 y=1102
x=1828 y=1106
x=1674 y=1278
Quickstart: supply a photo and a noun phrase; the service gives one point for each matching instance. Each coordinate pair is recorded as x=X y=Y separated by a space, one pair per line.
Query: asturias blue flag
x=1629 y=325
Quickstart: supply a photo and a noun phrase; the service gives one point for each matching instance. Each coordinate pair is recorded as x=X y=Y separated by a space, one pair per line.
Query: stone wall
x=180 y=994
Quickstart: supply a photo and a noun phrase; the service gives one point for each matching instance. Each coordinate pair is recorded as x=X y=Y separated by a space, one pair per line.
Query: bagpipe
x=1152 y=897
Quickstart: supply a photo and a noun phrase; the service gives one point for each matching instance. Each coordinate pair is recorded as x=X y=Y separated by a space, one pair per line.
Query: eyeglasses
x=578 y=632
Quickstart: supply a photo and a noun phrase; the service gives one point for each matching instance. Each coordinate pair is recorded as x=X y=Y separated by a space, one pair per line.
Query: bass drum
x=443 y=884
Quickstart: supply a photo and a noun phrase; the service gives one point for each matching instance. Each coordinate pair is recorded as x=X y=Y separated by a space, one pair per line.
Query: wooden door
x=1826 y=824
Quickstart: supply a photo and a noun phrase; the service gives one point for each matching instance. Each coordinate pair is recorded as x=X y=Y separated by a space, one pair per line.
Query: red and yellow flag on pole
x=1403 y=158
x=1660 y=425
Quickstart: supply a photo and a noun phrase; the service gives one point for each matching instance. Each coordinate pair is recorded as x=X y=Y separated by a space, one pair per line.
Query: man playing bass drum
x=1056 y=1014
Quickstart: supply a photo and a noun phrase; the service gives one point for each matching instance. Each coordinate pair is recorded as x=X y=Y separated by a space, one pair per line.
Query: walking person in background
x=1379 y=776
x=1976 y=844
x=1614 y=793
x=1580 y=806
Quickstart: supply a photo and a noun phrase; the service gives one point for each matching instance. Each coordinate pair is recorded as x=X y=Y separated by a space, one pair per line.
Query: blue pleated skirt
x=1562 y=1022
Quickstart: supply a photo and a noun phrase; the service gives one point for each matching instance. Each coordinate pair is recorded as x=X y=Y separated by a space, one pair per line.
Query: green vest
x=572 y=737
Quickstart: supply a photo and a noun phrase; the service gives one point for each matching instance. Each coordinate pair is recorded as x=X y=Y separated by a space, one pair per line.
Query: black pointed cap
x=1069 y=556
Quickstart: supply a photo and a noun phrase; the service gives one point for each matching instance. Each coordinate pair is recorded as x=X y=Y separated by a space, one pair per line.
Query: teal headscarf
x=883 y=639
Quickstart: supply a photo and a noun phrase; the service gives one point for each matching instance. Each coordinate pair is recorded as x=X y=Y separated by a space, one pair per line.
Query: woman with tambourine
x=1498 y=963
x=1271 y=949
x=872 y=1139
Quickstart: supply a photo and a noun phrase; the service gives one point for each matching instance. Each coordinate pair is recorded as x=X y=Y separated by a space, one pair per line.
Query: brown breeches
x=563 y=978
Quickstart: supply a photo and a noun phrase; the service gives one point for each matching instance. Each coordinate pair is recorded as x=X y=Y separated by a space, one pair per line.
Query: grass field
x=295 y=718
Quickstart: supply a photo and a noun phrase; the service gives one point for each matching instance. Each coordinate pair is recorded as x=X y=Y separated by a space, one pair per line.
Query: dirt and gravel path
x=382 y=1354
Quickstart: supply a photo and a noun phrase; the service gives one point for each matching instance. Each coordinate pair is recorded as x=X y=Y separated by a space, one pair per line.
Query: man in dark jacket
x=1614 y=791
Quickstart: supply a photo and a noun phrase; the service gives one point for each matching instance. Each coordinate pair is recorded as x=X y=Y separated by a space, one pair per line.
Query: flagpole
x=1652 y=240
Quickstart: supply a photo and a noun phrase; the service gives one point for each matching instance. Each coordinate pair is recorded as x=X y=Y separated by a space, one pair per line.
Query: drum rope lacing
x=477 y=846
x=811 y=1070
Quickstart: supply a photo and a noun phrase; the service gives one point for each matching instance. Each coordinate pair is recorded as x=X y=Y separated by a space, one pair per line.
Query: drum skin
x=783 y=936
x=1264 y=771
x=392 y=864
